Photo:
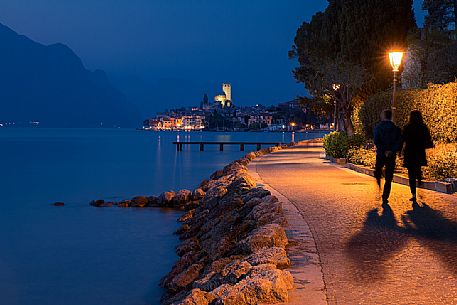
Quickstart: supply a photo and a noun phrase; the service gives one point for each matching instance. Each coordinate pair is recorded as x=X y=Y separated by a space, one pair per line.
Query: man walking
x=388 y=141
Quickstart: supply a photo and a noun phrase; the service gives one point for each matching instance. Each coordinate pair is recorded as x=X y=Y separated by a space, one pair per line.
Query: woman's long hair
x=415 y=118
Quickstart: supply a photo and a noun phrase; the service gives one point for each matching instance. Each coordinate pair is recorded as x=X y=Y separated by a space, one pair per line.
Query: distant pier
x=179 y=145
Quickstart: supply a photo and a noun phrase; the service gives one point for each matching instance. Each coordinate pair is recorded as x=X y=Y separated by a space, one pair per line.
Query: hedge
x=337 y=144
x=442 y=161
x=438 y=104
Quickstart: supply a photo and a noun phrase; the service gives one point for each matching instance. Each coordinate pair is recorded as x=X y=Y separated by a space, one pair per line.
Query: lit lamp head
x=395 y=60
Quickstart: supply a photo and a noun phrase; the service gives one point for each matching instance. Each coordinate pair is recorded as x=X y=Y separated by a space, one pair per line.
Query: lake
x=78 y=254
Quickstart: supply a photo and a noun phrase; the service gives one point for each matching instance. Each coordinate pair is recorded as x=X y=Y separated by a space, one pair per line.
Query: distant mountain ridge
x=50 y=84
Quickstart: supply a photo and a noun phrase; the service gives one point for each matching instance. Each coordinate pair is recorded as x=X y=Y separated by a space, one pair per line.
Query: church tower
x=227 y=88
x=225 y=100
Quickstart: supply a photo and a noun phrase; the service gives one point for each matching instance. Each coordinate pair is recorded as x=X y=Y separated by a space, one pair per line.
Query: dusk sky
x=165 y=53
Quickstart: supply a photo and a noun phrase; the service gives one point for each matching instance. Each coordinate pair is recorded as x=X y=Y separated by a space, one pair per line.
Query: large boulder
x=101 y=203
x=186 y=277
x=153 y=201
x=139 y=202
x=182 y=197
x=197 y=297
x=198 y=194
x=267 y=236
x=166 y=198
x=274 y=256
x=264 y=284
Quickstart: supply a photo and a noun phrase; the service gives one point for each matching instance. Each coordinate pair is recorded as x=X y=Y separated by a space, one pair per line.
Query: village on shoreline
x=223 y=115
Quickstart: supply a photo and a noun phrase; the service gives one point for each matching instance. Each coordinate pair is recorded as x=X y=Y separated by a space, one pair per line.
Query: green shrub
x=362 y=156
x=442 y=162
x=367 y=157
x=437 y=103
x=337 y=144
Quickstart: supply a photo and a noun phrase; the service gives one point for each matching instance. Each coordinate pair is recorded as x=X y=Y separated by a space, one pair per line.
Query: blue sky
x=165 y=53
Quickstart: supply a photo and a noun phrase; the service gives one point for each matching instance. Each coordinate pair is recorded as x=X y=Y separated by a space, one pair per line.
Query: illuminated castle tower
x=225 y=100
x=227 y=88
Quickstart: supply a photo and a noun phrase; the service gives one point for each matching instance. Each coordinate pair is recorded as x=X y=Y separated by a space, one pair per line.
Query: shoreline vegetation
x=233 y=241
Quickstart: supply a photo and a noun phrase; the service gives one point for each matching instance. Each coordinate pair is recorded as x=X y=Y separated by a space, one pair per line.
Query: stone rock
x=217 y=174
x=233 y=244
x=242 y=182
x=184 y=228
x=124 y=203
x=267 y=211
x=188 y=245
x=204 y=185
x=267 y=236
x=275 y=256
x=186 y=277
x=187 y=216
x=235 y=270
x=214 y=193
x=255 y=192
x=264 y=285
x=251 y=156
x=153 y=201
x=166 y=198
x=101 y=203
x=197 y=297
x=139 y=202
x=190 y=205
x=58 y=204
x=182 y=197
x=198 y=194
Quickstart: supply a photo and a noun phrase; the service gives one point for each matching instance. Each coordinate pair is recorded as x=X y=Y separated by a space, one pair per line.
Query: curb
x=437 y=186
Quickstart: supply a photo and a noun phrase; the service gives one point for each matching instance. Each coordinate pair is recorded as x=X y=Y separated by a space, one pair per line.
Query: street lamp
x=335 y=88
x=395 y=61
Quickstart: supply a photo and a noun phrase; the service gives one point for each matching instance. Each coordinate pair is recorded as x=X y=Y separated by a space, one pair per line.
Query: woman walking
x=416 y=136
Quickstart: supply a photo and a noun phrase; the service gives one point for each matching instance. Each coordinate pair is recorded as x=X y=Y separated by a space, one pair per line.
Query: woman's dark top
x=417 y=138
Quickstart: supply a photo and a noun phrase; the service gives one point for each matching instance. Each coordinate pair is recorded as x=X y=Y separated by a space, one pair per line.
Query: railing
x=179 y=145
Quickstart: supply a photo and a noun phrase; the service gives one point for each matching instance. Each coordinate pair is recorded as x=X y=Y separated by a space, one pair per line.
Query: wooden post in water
x=221 y=147
x=241 y=147
x=202 y=146
x=259 y=146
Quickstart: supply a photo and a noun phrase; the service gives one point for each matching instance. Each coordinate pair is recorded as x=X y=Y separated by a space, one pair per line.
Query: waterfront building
x=224 y=100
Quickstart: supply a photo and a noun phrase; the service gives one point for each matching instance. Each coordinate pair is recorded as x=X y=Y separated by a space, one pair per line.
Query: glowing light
x=395 y=60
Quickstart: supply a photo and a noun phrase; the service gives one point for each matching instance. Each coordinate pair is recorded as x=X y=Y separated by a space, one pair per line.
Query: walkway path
x=369 y=255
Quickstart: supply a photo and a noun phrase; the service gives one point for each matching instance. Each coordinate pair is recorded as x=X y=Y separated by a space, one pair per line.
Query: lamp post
x=335 y=88
x=395 y=62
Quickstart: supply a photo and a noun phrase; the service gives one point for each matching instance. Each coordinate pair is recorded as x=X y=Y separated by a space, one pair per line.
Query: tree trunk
x=344 y=102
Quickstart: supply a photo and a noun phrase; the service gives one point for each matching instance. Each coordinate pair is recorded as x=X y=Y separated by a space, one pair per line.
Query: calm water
x=78 y=254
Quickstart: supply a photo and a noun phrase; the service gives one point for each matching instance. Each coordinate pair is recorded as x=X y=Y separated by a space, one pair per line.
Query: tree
x=341 y=51
x=441 y=14
x=431 y=52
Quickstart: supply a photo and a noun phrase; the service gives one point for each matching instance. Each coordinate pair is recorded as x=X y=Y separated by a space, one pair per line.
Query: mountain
x=50 y=84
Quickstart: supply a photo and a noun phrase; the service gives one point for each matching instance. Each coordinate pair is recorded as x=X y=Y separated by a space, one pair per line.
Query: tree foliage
x=431 y=55
x=341 y=52
x=441 y=15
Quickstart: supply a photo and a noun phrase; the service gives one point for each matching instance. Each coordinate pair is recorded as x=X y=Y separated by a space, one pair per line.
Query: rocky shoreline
x=233 y=242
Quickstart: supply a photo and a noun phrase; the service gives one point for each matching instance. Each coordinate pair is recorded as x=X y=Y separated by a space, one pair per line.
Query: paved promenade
x=369 y=254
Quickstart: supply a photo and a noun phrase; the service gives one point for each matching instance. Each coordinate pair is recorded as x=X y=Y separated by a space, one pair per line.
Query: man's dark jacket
x=387 y=137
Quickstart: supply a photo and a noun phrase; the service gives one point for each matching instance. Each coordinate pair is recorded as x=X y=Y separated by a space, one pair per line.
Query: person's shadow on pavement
x=435 y=231
x=379 y=239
